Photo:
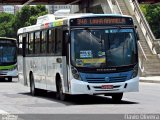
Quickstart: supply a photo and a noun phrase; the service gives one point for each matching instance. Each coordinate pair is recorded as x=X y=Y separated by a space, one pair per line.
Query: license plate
x=107 y=86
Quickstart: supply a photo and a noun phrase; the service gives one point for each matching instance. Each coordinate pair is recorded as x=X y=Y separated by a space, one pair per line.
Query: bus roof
x=46 y=21
x=7 y=38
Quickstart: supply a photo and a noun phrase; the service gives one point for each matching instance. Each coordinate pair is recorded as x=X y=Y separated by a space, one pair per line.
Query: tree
x=152 y=14
x=28 y=16
x=6 y=29
x=9 y=23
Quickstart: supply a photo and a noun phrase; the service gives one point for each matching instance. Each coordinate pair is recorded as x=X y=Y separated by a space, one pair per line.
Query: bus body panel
x=132 y=86
x=22 y=70
x=45 y=69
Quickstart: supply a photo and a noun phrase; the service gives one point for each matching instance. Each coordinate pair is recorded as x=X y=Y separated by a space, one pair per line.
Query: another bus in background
x=8 y=58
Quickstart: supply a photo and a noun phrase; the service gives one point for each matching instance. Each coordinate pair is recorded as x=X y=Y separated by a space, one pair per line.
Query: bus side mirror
x=135 y=26
x=137 y=34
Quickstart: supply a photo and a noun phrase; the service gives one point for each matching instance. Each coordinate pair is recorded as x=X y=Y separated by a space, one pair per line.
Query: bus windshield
x=7 y=54
x=96 y=48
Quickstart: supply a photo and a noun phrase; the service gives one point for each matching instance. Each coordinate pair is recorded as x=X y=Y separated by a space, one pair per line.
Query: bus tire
x=60 y=95
x=9 y=79
x=117 y=97
x=34 y=91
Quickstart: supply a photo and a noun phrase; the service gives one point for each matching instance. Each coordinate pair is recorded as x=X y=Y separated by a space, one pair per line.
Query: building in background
x=12 y=9
x=53 y=8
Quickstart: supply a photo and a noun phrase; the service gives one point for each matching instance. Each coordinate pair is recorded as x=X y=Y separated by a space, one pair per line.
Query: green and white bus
x=8 y=58
x=80 y=54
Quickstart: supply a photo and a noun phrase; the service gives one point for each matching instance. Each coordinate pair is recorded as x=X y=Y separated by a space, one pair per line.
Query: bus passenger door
x=21 y=59
x=65 y=54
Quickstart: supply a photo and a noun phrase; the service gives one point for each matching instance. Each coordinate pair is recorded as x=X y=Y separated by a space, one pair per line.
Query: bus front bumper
x=81 y=87
x=12 y=73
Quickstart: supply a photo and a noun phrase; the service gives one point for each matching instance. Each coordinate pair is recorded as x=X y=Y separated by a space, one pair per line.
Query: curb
x=150 y=81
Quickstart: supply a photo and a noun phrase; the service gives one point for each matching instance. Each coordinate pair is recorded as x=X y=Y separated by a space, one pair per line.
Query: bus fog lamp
x=76 y=76
x=74 y=71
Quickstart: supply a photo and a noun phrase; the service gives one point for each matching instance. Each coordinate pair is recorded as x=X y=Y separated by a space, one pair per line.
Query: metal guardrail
x=114 y=7
x=141 y=58
x=154 y=43
x=118 y=7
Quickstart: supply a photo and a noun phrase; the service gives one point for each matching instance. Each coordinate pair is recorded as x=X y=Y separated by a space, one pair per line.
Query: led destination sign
x=101 y=21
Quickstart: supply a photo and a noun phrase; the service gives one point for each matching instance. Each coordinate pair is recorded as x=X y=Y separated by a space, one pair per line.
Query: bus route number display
x=100 y=21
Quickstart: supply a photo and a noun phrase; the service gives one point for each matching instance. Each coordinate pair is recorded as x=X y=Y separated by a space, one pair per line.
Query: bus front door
x=21 y=60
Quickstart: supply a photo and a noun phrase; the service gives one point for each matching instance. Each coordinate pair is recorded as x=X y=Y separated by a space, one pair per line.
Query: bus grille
x=109 y=80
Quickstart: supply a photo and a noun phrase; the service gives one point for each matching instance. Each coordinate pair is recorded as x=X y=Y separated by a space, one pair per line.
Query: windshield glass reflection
x=7 y=54
x=103 y=47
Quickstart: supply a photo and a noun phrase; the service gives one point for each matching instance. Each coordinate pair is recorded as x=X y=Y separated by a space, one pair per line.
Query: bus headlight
x=135 y=71
x=75 y=73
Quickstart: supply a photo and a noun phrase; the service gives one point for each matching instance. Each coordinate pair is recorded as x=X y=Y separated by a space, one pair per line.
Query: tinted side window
x=44 y=41
x=51 y=42
x=59 y=36
x=30 y=42
x=27 y=44
x=37 y=42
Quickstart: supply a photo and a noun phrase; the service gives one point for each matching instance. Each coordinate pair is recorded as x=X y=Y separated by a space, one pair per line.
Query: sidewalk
x=150 y=79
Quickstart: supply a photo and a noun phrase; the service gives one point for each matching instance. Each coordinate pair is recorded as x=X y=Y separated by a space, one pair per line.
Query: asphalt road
x=16 y=99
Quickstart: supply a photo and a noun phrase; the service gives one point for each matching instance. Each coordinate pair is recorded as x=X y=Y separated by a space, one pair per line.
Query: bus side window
x=59 y=36
x=47 y=40
x=27 y=44
x=44 y=42
x=31 y=43
x=37 y=42
x=65 y=42
x=51 y=41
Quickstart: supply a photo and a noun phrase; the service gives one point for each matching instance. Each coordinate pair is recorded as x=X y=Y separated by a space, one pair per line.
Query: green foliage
x=6 y=22
x=152 y=14
x=9 y=24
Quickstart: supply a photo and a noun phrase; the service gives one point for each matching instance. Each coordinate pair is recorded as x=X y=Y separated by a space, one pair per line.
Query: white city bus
x=8 y=58
x=80 y=54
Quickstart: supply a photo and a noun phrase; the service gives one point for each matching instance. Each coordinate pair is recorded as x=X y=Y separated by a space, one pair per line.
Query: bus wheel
x=34 y=91
x=60 y=95
x=9 y=79
x=117 y=97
